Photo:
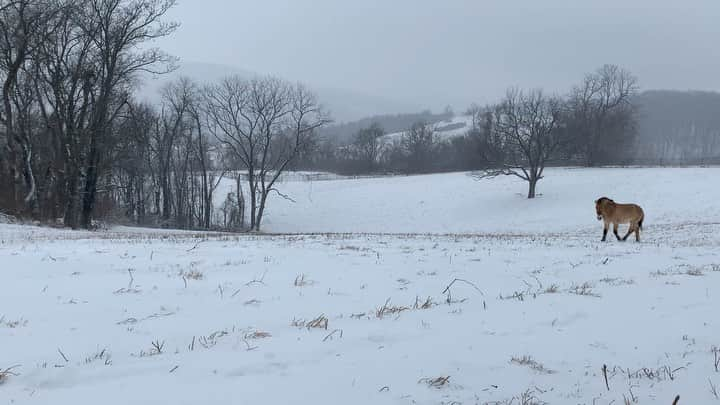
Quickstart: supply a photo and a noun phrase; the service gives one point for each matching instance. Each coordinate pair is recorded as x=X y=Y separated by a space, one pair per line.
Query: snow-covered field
x=458 y=203
x=368 y=313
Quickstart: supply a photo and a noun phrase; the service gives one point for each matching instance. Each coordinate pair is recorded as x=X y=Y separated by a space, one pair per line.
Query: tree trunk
x=253 y=203
x=71 y=216
x=241 y=203
x=261 y=210
x=532 y=184
x=166 y=196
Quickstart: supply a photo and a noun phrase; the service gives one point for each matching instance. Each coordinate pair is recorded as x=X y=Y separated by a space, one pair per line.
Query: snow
x=459 y=203
x=80 y=311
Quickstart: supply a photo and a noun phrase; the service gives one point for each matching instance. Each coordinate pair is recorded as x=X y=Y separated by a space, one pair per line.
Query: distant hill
x=344 y=105
x=392 y=124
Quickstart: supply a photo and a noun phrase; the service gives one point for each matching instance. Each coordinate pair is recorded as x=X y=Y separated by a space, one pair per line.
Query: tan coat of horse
x=611 y=212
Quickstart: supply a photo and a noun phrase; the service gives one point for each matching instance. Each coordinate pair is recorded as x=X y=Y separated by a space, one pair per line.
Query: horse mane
x=601 y=199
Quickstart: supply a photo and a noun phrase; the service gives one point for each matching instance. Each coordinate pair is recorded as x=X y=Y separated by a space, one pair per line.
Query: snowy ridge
x=444 y=130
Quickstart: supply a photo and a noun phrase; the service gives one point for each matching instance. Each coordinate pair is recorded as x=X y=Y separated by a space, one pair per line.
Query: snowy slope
x=444 y=130
x=145 y=317
x=458 y=203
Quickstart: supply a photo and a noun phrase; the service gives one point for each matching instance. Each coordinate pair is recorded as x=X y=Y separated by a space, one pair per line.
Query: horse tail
x=642 y=218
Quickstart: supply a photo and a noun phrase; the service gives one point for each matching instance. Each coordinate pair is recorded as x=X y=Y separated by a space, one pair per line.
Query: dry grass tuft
x=7 y=373
x=527 y=397
x=18 y=323
x=321 y=322
x=533 y=364
x=102 y=355
x=438 y=382
x=156 y=349
x=616 y=281
x=584 y=289
x=427 y=304
x=388 y=309
x=694 y=272
x=302 y=281
x=258 y=334
x=552 y=289
x=192 y=275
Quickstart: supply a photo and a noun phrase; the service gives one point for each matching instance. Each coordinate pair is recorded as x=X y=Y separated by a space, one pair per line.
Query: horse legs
x=615 y=231
x=637 y=232
x=605 y=231
x=633 y=228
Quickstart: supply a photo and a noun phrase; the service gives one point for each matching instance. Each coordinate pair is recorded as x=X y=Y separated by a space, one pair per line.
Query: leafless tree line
x=68 y=68
x=595 y=124
x=76 y=145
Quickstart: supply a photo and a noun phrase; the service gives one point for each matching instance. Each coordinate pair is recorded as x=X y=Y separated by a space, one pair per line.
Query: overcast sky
x=438 y=52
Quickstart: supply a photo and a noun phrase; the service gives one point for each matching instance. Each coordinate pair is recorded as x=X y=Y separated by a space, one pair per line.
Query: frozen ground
x=137 y=316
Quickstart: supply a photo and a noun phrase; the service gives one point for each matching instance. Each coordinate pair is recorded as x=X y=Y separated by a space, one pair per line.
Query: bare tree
x=265 y=123
x=602 y=115
x=522 y=137
x=118 y=28
x=418 y=143
x=85 y=73
x=367 y=146
x=175 y=125
x=24 y=24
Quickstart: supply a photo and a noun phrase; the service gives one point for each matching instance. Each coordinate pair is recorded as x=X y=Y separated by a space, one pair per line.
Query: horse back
x=628 y=213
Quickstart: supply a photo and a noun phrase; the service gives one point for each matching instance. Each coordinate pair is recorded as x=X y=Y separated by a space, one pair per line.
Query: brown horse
x=613 y=213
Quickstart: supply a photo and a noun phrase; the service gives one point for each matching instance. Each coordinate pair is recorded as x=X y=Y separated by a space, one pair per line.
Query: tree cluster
x=68 y=68
x=76 y=145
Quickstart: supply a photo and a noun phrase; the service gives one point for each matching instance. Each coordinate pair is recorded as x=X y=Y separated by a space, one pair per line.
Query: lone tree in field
x=264 y=123
x=521 y=136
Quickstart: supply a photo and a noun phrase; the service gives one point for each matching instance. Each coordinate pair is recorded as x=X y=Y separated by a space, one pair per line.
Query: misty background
x=376 y=56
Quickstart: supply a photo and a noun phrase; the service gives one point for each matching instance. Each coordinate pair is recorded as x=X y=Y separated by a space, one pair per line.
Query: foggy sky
x=439 y=52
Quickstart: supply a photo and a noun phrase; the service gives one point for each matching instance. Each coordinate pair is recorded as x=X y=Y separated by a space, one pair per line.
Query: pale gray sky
x=438 y=52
